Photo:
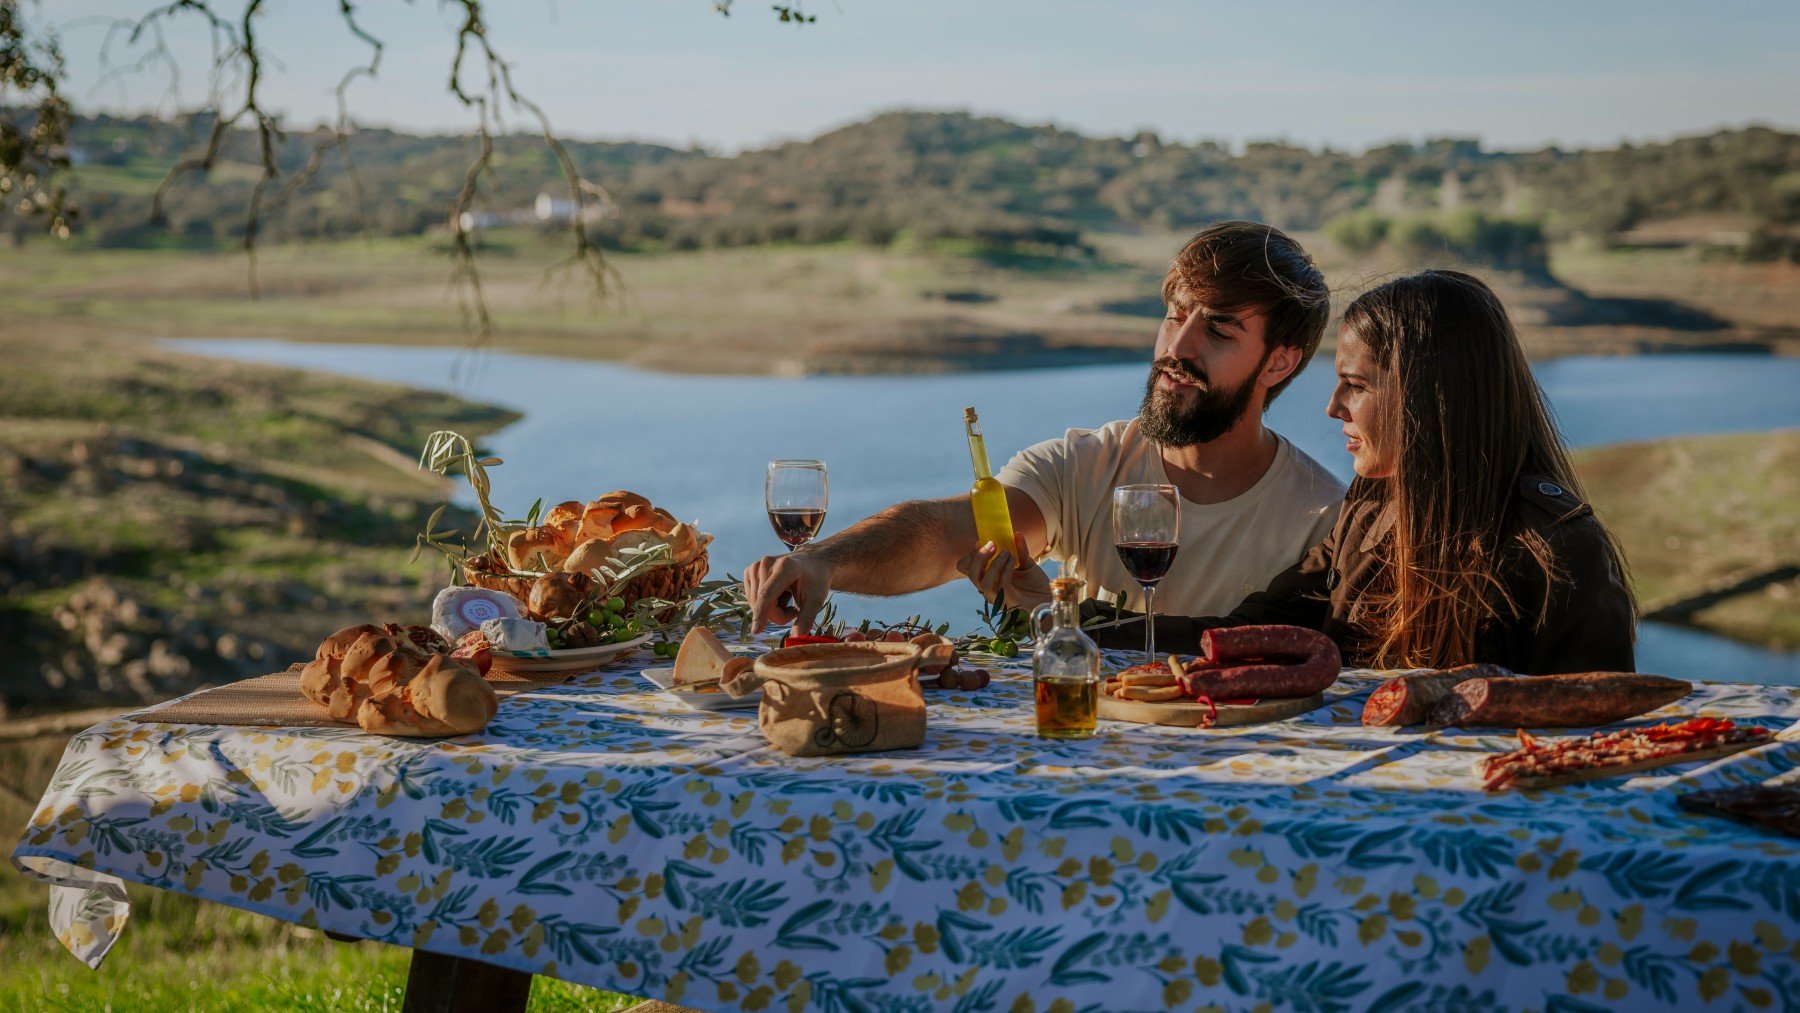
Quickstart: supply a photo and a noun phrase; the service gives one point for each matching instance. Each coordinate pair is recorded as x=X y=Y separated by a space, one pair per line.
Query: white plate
x=664 y=679
x=569 y=659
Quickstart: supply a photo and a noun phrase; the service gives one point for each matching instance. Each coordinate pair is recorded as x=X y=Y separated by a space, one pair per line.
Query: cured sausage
x=1408 y=699
x=1556 y=701
x=1274 y=662
x=1263 y=643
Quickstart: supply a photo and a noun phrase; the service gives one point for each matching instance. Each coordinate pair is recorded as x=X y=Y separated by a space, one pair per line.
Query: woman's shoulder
x=1547 y=504
x=1564 y=522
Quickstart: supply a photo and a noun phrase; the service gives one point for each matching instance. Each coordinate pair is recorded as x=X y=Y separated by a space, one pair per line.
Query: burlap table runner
x=275 y=701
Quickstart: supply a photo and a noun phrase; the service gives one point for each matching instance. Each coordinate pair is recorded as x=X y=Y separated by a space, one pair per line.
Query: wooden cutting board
x=1188 y=714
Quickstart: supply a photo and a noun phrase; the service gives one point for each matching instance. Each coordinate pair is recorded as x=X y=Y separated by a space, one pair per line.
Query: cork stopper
x=1066 y=589
x=969 y=415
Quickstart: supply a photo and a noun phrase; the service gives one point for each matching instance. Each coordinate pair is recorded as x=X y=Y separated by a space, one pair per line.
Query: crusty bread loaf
x=389 y=685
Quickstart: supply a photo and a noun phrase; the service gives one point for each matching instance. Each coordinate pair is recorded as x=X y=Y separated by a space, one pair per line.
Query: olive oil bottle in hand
x=993 y=522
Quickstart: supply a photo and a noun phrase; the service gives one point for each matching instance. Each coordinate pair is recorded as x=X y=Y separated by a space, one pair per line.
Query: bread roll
x=683 y=543
x=588 y=556
x=634 y=518
x=662 y=522
x=558 y=595
x=539 y=548
x=633 y=542
x=596 y=522
x=622 y=499
x=562 y=513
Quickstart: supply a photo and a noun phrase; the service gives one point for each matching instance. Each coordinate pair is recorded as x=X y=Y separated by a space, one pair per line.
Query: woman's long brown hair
x=1471 y=423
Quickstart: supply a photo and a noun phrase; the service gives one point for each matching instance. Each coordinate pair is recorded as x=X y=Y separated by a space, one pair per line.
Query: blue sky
x=1518 y=74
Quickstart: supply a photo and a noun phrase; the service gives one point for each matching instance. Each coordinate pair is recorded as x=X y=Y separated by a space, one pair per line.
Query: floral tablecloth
x=599 y=832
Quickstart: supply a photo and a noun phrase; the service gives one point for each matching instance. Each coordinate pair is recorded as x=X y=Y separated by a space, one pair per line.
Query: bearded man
x=1246 y=308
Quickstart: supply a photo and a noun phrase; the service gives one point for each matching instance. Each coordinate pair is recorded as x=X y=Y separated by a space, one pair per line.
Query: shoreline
x=1023 y=352
x=829 y=310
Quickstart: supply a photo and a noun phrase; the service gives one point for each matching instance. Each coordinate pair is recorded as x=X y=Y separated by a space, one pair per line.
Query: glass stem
x=1149 y=623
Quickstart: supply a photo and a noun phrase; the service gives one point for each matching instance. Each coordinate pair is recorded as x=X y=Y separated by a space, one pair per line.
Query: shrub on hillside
x=1469 y=236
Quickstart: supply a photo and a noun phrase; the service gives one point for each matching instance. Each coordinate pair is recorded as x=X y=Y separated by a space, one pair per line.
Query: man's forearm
x=907 y=547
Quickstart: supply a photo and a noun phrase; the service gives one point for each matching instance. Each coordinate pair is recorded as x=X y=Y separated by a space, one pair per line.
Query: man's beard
x=1211 y=416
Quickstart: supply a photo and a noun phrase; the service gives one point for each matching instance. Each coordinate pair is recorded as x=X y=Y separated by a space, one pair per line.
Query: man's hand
x=787 y=588
x=993 y=571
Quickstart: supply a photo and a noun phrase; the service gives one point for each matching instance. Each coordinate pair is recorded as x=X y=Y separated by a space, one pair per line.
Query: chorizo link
x=1556 y=701
x=1262 y=643
x=1288 y=662
x=1408 y=699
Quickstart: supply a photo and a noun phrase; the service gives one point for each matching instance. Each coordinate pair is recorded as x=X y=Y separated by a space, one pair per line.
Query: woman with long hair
x=1464 y=537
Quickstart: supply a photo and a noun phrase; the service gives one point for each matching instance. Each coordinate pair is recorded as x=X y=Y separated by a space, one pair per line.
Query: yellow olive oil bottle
x=993 y=522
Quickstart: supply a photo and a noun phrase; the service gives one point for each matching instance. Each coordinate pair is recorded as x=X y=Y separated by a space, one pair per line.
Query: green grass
x=1748 y=295
x=670 y=311
x=1701 y=509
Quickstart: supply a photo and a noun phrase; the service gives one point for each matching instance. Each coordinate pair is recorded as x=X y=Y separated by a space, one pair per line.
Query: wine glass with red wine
x=1146 y=531
x=796 y=494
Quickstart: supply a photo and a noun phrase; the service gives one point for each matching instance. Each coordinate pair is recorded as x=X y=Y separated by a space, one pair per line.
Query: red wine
x=1147 y=561
x=796 y=527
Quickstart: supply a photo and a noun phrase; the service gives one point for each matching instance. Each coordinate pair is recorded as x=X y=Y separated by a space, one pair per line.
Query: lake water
x=698 y=444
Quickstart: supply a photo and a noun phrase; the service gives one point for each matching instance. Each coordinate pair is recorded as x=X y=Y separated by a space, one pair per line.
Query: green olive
x=1006 y=648
x=615 y=603
x=596 y=618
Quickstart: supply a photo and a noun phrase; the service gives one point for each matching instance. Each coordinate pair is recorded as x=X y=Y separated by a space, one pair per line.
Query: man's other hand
x=994 y=570
x=786 y=588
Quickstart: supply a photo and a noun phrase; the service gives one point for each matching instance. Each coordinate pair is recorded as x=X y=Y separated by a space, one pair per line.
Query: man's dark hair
x=1237 y=265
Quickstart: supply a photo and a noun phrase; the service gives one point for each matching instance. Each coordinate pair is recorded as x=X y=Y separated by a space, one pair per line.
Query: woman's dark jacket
x=1587 y=621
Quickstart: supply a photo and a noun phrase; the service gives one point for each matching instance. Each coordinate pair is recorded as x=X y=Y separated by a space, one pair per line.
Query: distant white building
x=549 y=207
x=562 y=209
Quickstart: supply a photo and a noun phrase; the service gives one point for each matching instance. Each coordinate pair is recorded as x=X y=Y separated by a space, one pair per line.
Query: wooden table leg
x=439 y=984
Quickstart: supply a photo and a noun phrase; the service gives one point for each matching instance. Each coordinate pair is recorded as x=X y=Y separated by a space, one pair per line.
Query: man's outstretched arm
x=907 y=547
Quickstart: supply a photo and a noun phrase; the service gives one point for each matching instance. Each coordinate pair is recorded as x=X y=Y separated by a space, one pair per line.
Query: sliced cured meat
x=1540 y=764
x=1408 y=699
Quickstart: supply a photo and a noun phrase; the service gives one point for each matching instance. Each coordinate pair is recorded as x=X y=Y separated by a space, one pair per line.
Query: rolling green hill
x=923 y=176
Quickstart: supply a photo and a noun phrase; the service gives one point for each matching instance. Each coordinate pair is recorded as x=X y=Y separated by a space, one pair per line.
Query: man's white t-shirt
x=1228 y=550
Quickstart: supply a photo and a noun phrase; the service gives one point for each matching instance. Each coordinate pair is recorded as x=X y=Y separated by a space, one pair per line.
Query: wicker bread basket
x=670 y=583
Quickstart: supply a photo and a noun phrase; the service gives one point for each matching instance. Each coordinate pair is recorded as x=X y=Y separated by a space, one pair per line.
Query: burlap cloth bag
x=829 y=699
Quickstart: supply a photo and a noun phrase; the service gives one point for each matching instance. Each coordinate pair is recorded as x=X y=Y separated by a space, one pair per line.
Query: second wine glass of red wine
x=796 y=494
x=1147 y=532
